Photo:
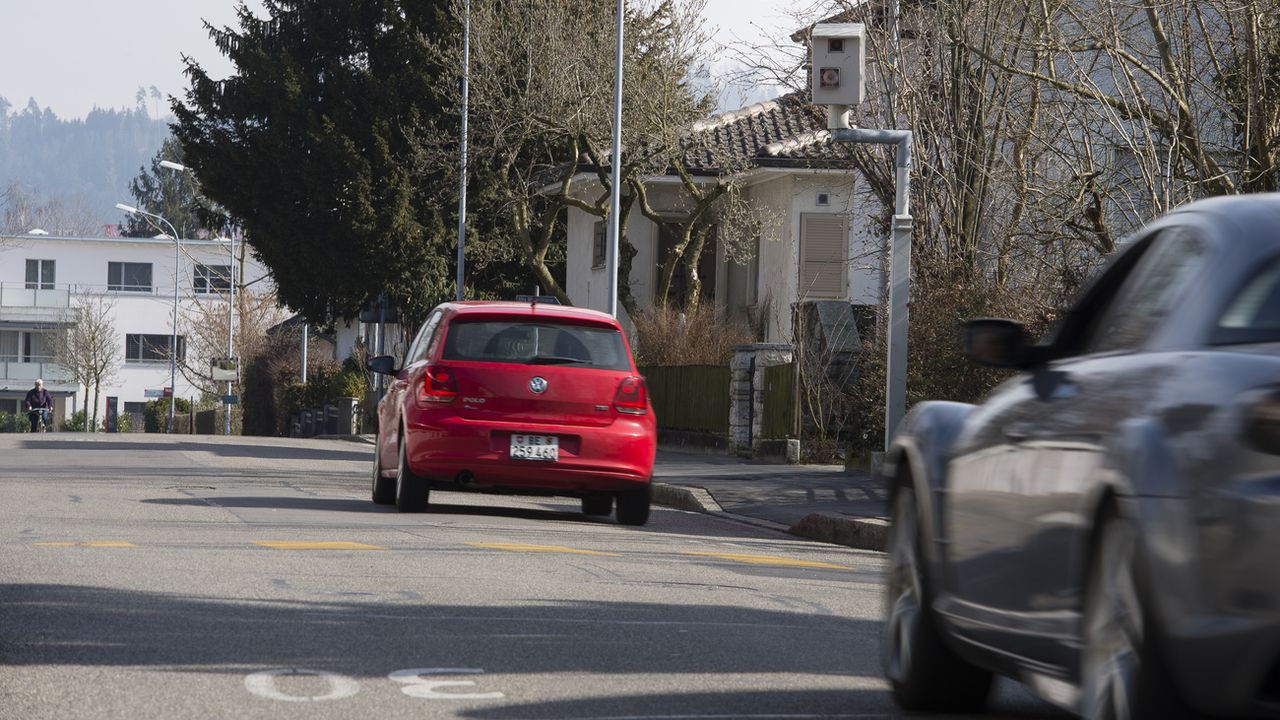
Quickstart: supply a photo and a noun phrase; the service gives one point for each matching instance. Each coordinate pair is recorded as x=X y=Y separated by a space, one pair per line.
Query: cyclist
x=39 y=405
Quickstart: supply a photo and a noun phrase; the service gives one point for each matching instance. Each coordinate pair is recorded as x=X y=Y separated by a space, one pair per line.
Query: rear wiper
x=556 y=360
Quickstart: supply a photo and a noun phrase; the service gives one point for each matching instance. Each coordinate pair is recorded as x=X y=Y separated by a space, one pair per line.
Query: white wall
x=589 y=287
x=783 y=196
x=81 y=266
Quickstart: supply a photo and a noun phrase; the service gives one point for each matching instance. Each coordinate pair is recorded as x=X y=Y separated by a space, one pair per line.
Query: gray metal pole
x=231 y=303
x=173 y=348
x=899 y=270
x=305 y=332
x=460 y=290
x=615 y=191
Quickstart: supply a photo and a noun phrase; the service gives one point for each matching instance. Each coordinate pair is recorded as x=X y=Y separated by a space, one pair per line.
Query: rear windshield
x=1254 y=315
x=535 y=342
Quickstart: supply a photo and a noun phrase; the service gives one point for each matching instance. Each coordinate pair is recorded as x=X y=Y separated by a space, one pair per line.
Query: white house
x=821 y=241
x=43 y=279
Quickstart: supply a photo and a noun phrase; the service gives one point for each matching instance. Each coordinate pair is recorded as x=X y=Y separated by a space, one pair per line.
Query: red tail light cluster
x=632 y=398
x=438 y=387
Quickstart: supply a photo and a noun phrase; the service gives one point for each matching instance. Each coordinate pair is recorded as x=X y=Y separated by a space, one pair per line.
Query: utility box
x=838 y=61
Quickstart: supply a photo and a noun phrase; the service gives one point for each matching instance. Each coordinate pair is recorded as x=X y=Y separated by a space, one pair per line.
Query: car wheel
x=411 y=490
x=597 y=504
x=384 y=488
x=926 y=674
x=633 y=505
x=1121 y=677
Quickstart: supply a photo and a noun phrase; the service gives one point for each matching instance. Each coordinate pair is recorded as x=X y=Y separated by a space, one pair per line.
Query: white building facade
x=44 y=279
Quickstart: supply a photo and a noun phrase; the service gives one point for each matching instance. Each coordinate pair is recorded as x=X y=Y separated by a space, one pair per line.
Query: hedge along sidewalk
x=816 y=502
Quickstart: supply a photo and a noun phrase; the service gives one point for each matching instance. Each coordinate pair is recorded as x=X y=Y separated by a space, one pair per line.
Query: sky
x=74 y=55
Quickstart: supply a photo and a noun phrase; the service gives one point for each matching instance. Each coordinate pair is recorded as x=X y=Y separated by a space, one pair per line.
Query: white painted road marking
x=421 y=687
x=263 y=684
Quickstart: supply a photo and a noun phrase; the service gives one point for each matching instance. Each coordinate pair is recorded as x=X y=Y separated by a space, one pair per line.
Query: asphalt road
x=157 y=577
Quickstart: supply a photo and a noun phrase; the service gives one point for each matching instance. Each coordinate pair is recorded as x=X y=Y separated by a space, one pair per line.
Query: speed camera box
x=838 y=57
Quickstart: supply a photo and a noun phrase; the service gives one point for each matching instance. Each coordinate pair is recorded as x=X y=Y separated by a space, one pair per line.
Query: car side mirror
x=383 y=365
x=996 y=342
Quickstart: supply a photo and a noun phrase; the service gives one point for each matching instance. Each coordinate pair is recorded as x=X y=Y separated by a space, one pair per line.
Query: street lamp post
x=615 y=190
x=177 y=274
x=231 y=303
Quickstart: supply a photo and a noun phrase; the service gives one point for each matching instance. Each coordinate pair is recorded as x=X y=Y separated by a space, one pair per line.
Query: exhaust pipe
x=464 y=477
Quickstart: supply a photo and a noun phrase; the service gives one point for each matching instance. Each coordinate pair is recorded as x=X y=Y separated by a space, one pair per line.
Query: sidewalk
x=818 y=502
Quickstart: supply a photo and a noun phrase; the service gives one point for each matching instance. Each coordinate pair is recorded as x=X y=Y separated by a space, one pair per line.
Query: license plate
x=535 y=447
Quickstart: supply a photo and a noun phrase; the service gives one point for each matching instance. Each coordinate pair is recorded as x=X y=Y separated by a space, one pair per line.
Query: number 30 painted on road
x=263 y=684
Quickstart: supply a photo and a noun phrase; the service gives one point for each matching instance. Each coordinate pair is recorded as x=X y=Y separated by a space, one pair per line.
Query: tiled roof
x=788 y=131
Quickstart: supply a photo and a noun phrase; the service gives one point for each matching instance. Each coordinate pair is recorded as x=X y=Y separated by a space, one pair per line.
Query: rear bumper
x=441 y=446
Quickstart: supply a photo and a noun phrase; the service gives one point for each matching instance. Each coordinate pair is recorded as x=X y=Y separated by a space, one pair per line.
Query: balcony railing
x=49 y=371
x=19 y=295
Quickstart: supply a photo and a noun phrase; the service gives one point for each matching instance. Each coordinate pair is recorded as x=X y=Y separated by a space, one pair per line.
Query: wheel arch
x=918 y=455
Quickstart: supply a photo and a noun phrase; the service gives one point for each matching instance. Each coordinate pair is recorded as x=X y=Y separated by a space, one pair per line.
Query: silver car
x=1105 y=526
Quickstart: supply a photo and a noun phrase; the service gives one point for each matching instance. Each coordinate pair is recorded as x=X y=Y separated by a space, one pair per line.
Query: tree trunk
x=93 y=421
x=692 y=282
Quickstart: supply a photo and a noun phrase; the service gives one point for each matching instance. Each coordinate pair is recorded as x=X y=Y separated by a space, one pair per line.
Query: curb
x=347 y=438
x=860 y=533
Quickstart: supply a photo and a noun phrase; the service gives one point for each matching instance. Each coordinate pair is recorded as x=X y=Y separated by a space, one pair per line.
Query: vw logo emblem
x=538 y=385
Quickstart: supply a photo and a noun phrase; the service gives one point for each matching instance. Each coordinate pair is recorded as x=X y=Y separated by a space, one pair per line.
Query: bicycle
x=43 y=422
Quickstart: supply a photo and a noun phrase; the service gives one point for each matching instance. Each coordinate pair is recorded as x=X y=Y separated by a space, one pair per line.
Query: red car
x=523 y=398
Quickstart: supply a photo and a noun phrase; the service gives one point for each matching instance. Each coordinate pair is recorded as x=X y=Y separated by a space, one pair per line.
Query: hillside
x=82 y=163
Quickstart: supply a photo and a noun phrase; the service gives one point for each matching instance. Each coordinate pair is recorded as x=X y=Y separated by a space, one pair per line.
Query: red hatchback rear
x=525 y=398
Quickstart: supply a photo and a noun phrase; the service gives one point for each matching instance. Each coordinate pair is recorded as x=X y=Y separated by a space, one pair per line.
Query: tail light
x=632 y=398
x=438 y=387
x=1262 y=423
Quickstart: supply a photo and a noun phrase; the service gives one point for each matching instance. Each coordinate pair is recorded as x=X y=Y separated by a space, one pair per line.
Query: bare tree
x=541 y=110
x=22 y=210
x=204 y=323
x=90 y=350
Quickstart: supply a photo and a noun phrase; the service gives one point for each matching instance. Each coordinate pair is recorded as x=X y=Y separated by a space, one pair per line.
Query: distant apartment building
x=43 y=279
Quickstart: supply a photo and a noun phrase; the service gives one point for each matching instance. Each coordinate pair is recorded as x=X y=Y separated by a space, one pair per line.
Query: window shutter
x=824 y=255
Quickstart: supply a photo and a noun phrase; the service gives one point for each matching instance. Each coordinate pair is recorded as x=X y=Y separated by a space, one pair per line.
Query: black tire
x=598 y=504
x=384 y=488
x=411 y=491
x=1122 y=672
x=925 y=673
x=633 y=505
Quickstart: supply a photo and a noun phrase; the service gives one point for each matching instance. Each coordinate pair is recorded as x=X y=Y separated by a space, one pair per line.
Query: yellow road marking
x=88 y=543
x=314 y=545
x=769 y=560
x=520 y=547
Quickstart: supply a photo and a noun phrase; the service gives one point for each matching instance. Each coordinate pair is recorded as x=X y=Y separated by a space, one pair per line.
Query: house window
x=212 y=278
x=135 y=408
x=9 y=405
x=667 y=242
x=824 y=256
x=152 y=348
x=40 y=274
x=10 y=341
x=24 y=346
x=129 y=277
x=599 y=251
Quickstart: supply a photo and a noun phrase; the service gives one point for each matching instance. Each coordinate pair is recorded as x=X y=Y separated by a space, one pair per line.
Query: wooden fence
x=692 y=398
x=779 y=415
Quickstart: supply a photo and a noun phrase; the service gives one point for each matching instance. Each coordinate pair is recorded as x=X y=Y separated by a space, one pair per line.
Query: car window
x=536 y=342
x=418 y=350
x=1149 y=292
x=1254 y=314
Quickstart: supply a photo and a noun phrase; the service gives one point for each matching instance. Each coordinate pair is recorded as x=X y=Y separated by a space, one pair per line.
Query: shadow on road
x=95 y=626
x=355 y=453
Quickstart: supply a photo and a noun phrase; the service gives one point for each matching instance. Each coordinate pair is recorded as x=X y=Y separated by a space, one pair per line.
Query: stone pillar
x=746 y=394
